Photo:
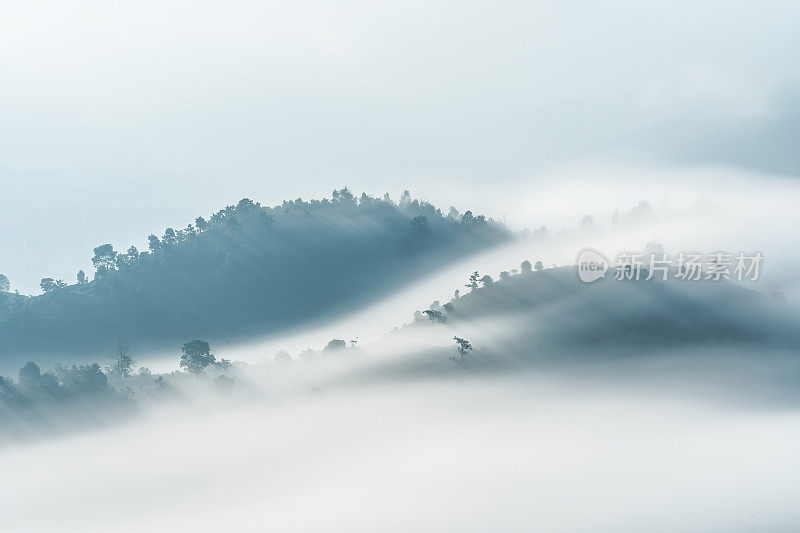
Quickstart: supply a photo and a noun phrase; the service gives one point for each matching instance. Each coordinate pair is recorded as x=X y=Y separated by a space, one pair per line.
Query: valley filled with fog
x=617 y=405
x=429 y=266
x=455 y=453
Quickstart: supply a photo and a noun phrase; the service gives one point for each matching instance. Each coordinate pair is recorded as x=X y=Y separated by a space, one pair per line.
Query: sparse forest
x=553 y=311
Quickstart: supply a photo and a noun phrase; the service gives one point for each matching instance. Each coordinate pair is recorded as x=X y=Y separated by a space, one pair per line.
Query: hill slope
x=551 y=312
x=248 y=270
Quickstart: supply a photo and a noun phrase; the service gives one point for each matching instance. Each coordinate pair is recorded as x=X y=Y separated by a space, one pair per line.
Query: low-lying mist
x=539 y=451
x=616 y=406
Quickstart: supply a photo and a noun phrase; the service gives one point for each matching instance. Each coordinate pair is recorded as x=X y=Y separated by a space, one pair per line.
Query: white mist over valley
x=317 y=267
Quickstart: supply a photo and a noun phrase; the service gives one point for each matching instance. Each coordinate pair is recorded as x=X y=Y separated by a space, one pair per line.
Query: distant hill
x=552 y=312
x=247 y=270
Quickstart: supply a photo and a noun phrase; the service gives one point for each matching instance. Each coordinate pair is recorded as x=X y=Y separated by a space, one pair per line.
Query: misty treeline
x=247 y=270
x=65 y=398
x=62 y=399
x=551 y=316
x=439 y=314
x=553 y=313
x=117 y=384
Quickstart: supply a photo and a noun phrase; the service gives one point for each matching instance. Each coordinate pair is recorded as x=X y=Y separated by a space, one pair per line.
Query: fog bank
x=499 y=454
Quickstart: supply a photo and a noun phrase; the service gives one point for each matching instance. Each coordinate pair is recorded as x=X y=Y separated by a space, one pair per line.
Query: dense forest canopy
x=246 y=270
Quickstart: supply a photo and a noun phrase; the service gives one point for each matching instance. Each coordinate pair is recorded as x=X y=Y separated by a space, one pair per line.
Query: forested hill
x=247 y=270
x=550 y=311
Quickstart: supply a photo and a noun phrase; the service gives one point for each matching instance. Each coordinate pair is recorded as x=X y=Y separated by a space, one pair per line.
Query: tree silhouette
x=132 y=257
x=335 y=345
x=122 y=362
x=169 y=238
x=153 y=243
x=104 y=260
x=48 y=284
x=463 y=347
x=435 y=316
x=196 y=356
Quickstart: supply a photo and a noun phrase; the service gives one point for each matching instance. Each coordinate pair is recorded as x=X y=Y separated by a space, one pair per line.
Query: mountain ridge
x=248 y=270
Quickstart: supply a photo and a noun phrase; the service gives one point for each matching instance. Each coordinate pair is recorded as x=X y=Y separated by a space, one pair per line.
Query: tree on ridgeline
x=132 y=256
x=82 y=278
x=539 y=266
x=104 y=260
x=196 y=356
x=435 y=316
x=468 y=219
x=473 y=281
x=48 y=284
x=335 y=345
x=169 y=238
x=153 y=244
x=5 y=285
x=525 y=267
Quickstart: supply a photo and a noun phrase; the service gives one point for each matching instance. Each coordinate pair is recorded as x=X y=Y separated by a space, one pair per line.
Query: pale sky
x=118 y=119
